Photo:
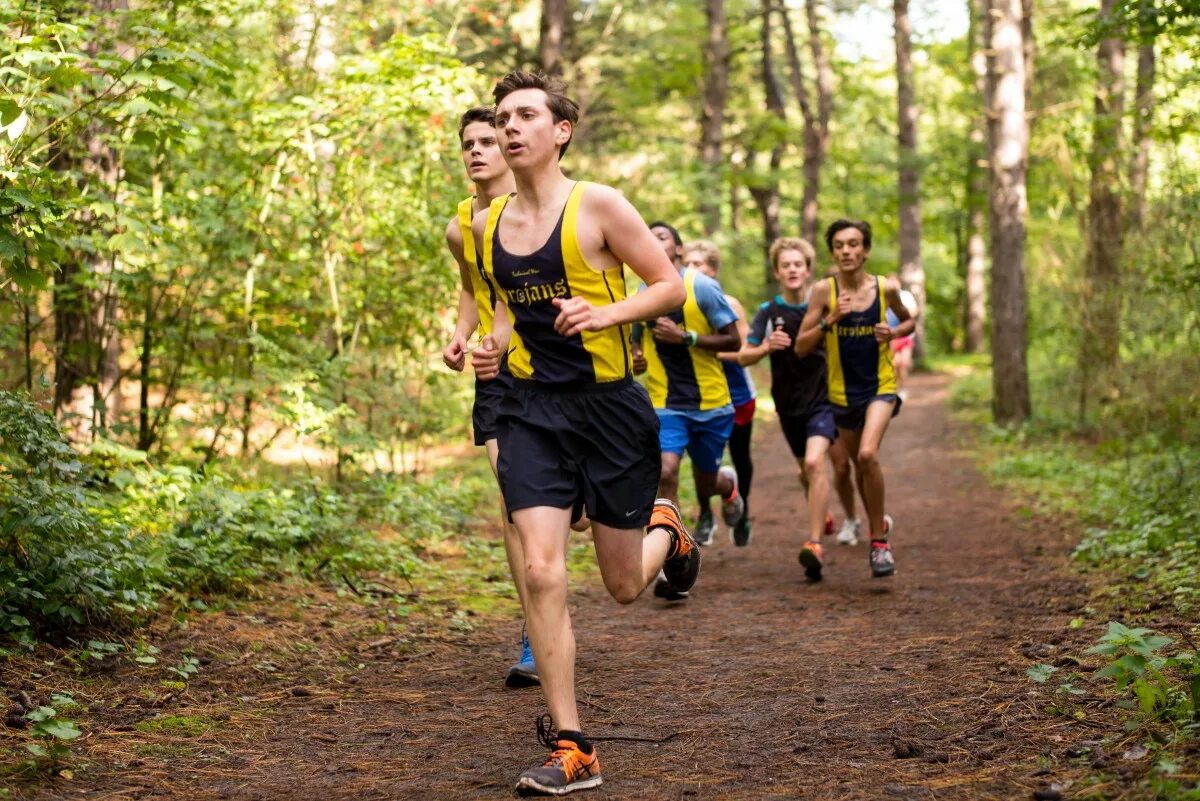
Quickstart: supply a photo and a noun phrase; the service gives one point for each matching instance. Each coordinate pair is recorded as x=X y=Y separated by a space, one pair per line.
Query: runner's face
x=667 y=241
x=791 y=268
x=695 y=259
x=481 y=153
x=849 y=254
x=527 y=131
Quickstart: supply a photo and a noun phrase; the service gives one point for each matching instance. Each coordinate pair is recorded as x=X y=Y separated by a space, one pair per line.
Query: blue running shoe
x=524 y=672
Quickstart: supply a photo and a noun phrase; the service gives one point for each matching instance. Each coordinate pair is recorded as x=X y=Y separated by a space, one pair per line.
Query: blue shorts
x=797 y=428
x=853 y=418
x=704 y=439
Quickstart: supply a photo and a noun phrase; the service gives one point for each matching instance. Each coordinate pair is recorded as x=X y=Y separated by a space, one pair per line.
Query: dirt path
x=760 y=687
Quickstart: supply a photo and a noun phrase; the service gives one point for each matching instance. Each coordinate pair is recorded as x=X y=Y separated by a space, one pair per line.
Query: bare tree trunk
x=553 y=35
x=1098 y=354
x=1009 y=149
x=1141 y=135
x=812 y=179
x=975 y=311
x=912 y=273
x=765 y=187
x=813 y=133
x=712 y=120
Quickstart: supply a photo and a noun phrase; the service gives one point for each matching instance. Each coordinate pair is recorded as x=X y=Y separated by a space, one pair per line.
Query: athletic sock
x=577 y=738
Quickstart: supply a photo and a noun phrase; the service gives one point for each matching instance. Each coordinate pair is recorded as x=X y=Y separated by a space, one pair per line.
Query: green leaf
x=60 y=729
x=1040 y=672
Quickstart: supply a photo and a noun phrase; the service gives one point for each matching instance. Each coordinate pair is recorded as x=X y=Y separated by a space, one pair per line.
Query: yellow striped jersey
x=683 y=378
x=481 y=286
x=528 y=284
x=860 y=368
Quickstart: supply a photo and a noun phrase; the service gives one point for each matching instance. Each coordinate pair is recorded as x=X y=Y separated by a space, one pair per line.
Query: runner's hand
x=844 y=302
x=666 y=331
x=455 y=354
x=884 y=333
x=486 y=359
x=576 y=315
x=779 y=340
x=639 y=361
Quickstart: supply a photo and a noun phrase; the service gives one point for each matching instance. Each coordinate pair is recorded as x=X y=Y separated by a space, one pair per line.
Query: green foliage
x=1139 y=668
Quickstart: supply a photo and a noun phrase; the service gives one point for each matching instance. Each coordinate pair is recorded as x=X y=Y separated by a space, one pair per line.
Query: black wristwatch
x=824 y=325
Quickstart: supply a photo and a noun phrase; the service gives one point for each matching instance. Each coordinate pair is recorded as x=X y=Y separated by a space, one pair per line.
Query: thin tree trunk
x=812 y=132
x=553 y=32
x=1144 y=101
x=912 y=273
x=1101 y=332
x=975 y=311
x=765 y=188
x=1009 y=148
x=712 y=120
x=812 y=176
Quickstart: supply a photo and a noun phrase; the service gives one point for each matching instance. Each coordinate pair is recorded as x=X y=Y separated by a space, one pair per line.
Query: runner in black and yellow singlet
x=849 y=313
x=575 y=429
x=690 y=394
x=487 y=169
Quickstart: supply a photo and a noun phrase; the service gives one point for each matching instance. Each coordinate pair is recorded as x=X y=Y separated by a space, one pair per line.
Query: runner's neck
x=856 y=279
x=794 y=297
x=542 y=190
x=485 y=193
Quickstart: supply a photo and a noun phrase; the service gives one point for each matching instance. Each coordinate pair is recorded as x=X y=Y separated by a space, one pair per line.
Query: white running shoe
x=734 y=507
x=848 y=534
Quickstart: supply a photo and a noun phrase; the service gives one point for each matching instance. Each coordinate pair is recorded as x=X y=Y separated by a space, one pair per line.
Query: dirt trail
x=761 y=686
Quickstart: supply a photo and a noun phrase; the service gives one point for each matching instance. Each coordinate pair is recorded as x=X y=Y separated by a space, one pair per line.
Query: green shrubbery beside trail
x=101 y=538
x=1134 y=489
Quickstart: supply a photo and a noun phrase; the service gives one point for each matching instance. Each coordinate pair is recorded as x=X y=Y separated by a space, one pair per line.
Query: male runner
x=574 y=429
x=798 y=386
x=487 y=169
x=691 y=396
x=704 y=256
x=848 y=313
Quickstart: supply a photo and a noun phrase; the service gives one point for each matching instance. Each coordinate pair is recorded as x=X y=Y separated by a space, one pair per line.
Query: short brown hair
x=475 y=114
x=707 y=249
x=792 y=243
x=561 y=106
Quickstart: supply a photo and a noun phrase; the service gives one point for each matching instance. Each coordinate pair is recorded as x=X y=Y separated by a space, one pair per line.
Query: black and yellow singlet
x=860 y=368
x=528 y=285
x=481 y=286
x=679 y=377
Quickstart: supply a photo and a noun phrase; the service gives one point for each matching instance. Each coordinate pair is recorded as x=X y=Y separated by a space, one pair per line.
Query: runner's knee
x=868 y=458
x=543 y=577
x=814 y=466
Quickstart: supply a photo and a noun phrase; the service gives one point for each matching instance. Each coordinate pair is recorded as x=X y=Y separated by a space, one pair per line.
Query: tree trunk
x=812 y=177
x=552 y=36
x=1144 y=101
x=1102 y=322
x=1009 y=149
x=975 y=306
x=912 y=273
x=765 y=187
x=712 y=120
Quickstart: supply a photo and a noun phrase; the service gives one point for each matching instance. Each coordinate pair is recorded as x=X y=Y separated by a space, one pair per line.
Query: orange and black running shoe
x=568 y=769
x=682 y=564
x=812 y=556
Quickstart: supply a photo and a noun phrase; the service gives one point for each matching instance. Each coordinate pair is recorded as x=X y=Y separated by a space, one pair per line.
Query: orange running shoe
x=568 y=769
x=812 y=556
x=682 y=565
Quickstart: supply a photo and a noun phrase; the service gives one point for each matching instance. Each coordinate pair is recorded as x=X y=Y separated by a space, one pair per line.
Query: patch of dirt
x=761 y=686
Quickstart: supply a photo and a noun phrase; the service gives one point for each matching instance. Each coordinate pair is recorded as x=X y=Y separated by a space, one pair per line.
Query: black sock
x=577 y=738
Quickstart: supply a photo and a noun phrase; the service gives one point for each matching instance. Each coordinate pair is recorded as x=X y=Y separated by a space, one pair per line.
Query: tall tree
x=764 y=184
x=912 y=273
x=975 y=306
x=1144 y=106
x=712 y=119
x=553 y=34
x=816 y=120
x=1008 y=155
x=1098 y=352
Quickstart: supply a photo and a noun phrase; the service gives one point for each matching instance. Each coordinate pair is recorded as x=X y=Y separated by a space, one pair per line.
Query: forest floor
x=761 y=686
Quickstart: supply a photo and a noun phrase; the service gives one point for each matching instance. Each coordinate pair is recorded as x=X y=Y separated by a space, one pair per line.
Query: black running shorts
x=488 y=396
x=592 y=446
x=853 y=418
x=797 y=428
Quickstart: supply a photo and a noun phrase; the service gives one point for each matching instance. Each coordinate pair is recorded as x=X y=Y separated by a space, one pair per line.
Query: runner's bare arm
x=487 y=357
x=743 y=329
x=620 y=235
x=727 y=339
x=810 y=328
x=454 y=355
x=908 y=323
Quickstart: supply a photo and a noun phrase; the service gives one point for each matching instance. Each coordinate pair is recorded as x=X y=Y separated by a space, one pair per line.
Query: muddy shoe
x=741 y=532
x=568 y=769
x=706 y=526
x=812 y=556
x=524 y=672
x=882 y=562
x=682 y=564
